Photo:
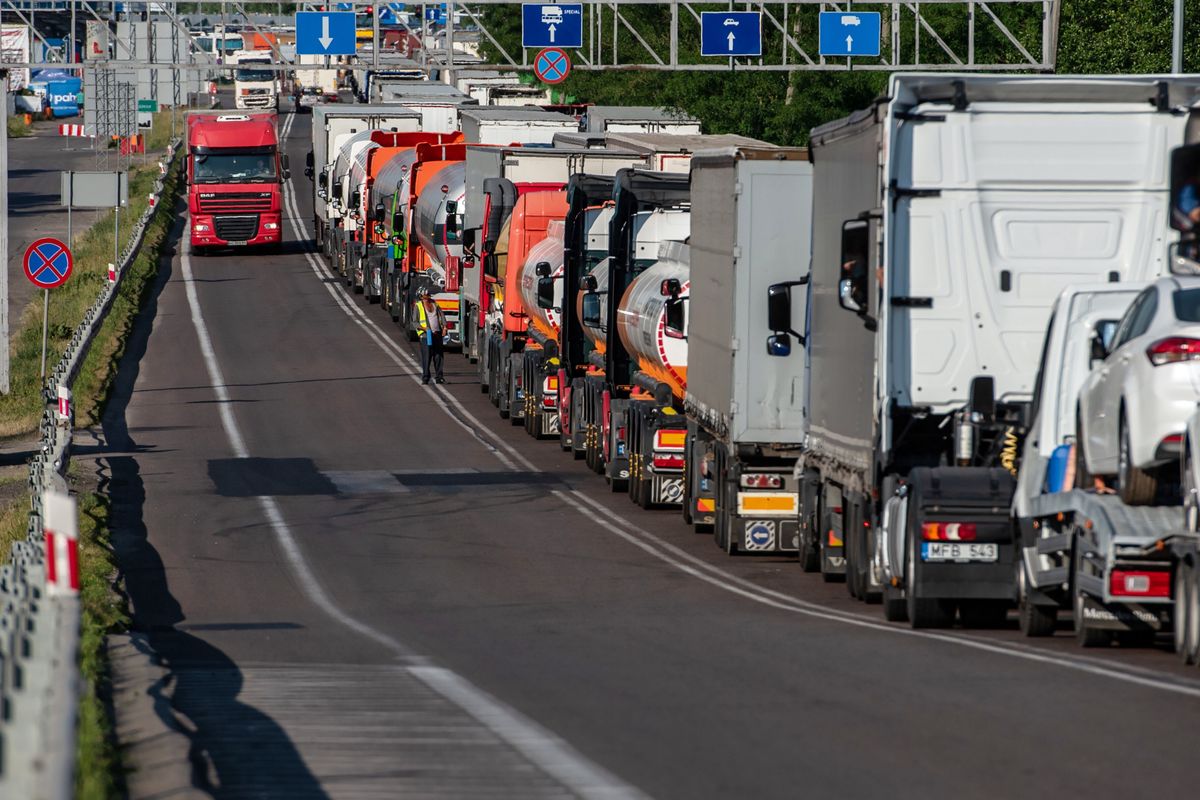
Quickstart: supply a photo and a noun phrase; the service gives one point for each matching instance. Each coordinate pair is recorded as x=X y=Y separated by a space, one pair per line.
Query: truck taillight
x=948 y=531
x=667 y=461
x=672 y=440
x=1173 y=350
x=1139 y=583
x=760 y=480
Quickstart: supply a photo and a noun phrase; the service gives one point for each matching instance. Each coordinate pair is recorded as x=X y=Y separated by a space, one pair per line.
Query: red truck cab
x=235 y=175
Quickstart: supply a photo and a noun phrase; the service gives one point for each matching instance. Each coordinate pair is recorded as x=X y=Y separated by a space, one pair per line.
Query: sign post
x=48 y=264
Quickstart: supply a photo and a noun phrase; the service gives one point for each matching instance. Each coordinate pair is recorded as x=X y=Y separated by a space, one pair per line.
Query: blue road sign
x=730 y=33
x=853 y=33
x=548 y=25
x=325 y=33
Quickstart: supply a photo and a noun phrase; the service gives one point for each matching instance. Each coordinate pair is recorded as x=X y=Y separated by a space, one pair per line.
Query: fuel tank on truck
x=550 y=251
x=642 y=318
x=448 y=185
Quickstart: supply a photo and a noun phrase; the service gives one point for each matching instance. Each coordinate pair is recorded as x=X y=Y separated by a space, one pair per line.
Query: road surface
x=362 y=587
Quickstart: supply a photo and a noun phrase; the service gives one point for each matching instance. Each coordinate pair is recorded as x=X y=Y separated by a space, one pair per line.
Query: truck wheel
x=925 y=612
x=983 y=613
x=822 y=543
x=895 y=608
x=1034 y=620
x=1136 y=487
x=1192 y=632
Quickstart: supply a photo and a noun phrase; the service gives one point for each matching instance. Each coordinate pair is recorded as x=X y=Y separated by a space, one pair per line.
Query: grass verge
x=21 y=408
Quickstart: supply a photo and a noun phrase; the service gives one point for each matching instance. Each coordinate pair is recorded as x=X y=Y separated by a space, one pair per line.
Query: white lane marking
x=547 y=752
x=510 y=457
x=534 y=742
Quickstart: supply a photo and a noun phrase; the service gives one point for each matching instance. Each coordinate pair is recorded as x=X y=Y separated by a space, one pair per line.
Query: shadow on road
x=235 y=750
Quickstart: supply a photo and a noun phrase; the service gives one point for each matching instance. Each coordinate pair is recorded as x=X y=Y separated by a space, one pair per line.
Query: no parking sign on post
x=48 y=263
x=552 y=65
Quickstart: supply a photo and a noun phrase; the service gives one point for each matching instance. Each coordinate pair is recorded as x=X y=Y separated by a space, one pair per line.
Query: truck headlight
x=270 y=226
x=201 y=227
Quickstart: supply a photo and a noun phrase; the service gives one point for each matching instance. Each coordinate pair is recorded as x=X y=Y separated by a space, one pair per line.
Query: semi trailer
x=331 y=126
x=509 y=127
x=950 y=214
x=746 y=411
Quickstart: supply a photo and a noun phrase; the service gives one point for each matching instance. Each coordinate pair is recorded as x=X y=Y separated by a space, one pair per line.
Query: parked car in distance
x=1134 y=405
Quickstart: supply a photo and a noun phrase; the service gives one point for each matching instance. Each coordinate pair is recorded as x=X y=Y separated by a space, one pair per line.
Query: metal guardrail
x=40 y=684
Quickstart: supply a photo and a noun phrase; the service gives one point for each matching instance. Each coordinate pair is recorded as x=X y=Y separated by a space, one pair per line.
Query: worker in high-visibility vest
x=431 y=328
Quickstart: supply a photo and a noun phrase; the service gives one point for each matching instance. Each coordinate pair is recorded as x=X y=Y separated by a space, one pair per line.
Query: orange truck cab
x=508 y=318
x=235 y=175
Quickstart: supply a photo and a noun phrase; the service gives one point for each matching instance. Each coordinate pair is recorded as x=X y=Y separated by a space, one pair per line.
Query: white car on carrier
x=1134 y=406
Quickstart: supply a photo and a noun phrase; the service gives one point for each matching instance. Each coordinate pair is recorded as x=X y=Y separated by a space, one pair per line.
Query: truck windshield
x=234 y=167
x=251 y=74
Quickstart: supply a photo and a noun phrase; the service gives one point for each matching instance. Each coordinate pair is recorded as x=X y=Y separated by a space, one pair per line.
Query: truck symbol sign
x=849 y=19
x=552 y=15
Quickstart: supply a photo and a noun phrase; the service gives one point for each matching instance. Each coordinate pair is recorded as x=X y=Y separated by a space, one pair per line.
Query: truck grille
x=236 y=227
x=216 y=202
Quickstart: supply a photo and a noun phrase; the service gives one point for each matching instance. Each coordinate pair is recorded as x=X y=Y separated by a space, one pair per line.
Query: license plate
x=959 y=551
x=237 y=244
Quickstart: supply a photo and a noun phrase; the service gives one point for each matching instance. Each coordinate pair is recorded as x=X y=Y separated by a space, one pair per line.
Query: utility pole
x=1177 y=40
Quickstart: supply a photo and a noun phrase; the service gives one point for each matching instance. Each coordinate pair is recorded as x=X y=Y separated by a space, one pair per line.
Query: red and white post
x=64 y=403
x=112 y=273
x=61 y=525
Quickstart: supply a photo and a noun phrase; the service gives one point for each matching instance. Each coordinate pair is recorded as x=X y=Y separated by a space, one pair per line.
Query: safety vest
x=423 y=323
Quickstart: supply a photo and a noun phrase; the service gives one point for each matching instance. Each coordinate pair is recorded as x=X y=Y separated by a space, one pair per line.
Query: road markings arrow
x=552 y=28
x=730 y=38
x=325 y=39
x=849 y=44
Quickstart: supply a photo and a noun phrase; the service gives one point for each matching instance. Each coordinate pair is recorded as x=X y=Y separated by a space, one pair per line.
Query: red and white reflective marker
x=64 y=402
x=162 y=168
x=153 y=199
x=61 y=525
x=73 y=130
x=112 y=273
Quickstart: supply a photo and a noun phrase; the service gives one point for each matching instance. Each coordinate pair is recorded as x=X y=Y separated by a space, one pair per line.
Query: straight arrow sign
x=325 y=38
x=849 y=44
x=731 y=39
x=551 y=27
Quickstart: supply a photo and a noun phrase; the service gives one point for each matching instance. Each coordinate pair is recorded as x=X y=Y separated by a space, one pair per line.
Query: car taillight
x=672 y=440
x=1173 y=349
x=667 y=461
x=948 y=531
x=759 y=480
x=1139 y=583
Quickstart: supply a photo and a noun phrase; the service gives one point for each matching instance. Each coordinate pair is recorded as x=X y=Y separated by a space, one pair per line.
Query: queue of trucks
x=864 y=355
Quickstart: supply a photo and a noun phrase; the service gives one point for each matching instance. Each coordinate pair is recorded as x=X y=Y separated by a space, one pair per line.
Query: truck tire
x=1136 y=487
x=822 y=539
x=1186 y=614
x=1192 y=633
x=925 y=612
x=1034 y=620
x=810 y=546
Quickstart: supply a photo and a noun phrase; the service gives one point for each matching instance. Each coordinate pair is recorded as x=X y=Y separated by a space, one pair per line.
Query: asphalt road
x=362 y=587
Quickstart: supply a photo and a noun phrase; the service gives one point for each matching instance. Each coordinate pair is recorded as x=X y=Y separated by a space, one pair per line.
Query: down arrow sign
x=325 y=39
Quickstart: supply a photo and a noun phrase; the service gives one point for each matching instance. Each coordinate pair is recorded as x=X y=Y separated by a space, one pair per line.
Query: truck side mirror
x=670 y=288
x=355 y=198
x=591 y=310
x=380 y=212
x=779 y=318
x=491 y=265
x=397 y=222
x=308 y=165
x=542 y=270
x=853 y=286
x=545 y=292
x=287 y=170
x=323 y=179
x=589 y=284
x=337 y=191
x=451 y=208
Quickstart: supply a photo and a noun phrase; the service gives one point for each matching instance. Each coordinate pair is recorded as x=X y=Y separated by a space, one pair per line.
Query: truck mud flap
x=1133 y=617
x=666 y=490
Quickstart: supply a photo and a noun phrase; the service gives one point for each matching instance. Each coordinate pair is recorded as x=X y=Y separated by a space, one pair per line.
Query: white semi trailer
x=951 y=214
